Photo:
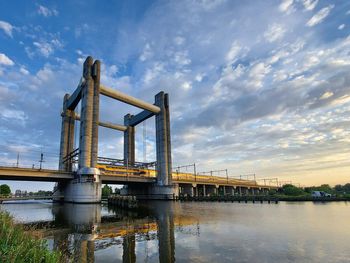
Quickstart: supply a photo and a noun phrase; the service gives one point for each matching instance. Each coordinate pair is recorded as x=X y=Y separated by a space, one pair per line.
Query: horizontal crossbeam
x=115 y=94
x=109 y=125
x=140 y=117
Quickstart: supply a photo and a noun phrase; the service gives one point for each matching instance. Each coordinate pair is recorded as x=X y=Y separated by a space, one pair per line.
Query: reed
x=18 y=245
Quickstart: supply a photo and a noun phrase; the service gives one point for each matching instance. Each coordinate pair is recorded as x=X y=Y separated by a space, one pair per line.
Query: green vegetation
x=292 y=192
x=107 y=190
x=16 y=245
x=5 y=189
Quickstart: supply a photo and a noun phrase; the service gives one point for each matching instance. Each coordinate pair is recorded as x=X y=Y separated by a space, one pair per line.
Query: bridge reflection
x=80 y=231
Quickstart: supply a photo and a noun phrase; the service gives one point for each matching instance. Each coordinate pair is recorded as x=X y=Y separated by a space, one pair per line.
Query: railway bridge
x=83 y=185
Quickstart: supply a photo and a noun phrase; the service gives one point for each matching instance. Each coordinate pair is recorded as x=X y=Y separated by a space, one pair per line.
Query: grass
x=17 y=245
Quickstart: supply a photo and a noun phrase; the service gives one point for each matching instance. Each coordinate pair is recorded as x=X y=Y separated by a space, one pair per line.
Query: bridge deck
x=122 y=175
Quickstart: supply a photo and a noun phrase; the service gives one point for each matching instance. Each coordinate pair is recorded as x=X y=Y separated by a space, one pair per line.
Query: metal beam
x=114 y=94
x=140 y=117
x=109 y=125
x=76 y=96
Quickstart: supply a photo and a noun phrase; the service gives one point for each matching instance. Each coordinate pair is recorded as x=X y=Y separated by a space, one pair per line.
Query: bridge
x=83 y=185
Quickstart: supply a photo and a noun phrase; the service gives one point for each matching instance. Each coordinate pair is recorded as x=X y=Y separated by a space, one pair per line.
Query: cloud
x=46 y=12
x=286 y=6
x=5 y=60
x=14 y=115
x=327 y=95
x=319 y=16
x=274 y=32
x=266 y=95
x=46 y=48
x=232 y=55
x=6 y=27
x=341 y=27
x=309 y=5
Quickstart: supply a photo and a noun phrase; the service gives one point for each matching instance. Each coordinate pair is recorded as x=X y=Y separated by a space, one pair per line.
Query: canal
x=193 y=232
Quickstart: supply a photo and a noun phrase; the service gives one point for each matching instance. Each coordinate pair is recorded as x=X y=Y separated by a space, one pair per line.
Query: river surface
x=193 y=232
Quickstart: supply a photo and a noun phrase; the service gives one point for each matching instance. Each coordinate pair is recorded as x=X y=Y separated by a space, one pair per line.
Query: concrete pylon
x=163 y=142
x=96 y=69
x=67 y=136
x=129 y=141
x=86 y=116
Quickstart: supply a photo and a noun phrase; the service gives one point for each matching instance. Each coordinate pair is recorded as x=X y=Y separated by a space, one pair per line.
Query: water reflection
x=195 y=232
x=80 y=231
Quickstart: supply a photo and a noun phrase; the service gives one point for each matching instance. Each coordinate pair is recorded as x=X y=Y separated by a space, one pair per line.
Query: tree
x=346 y=188
x=106 y=190
x=5 y=189
x=289 y=189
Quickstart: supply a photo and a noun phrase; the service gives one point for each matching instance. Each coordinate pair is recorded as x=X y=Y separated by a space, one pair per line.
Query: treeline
x=292 y=190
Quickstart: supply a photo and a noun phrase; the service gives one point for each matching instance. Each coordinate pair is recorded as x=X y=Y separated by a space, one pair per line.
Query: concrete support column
x=96 y=69
x=129 y=141
x=163 y=143
x=240 y=190
x=224 y=190
x=64 y=134
x=86 y=116
x=204 y=190
x=67 y=136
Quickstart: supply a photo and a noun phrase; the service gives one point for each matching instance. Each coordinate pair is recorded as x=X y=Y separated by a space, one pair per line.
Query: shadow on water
x=82 y=230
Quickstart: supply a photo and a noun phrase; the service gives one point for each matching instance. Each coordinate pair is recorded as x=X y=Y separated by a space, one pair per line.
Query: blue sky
x=255 y=86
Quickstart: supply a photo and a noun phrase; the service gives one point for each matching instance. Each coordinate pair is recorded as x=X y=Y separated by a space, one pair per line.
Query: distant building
x=320 y=194
x=21 y=193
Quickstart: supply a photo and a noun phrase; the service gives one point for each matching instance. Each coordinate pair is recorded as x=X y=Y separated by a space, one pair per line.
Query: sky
x=255 y=86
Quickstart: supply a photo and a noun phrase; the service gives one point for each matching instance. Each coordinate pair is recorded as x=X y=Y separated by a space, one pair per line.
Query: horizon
x=254 y=87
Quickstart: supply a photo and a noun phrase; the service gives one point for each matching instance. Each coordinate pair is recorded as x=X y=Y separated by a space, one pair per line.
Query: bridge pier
x=151 y=192
x=187 y=189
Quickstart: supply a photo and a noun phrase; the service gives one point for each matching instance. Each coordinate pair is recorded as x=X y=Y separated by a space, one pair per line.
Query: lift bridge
x=155 y=180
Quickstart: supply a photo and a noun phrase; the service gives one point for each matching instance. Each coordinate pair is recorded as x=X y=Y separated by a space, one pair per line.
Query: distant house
x=21 y=193
x=320 y=194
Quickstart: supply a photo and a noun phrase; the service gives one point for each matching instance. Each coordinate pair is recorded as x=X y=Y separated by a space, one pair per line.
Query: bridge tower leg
x=164 y=188
x=129 y=141
x=163 y=144
x=67 y=136
x=86 y=187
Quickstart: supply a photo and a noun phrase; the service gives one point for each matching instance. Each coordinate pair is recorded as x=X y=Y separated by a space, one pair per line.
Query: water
x=194 y=232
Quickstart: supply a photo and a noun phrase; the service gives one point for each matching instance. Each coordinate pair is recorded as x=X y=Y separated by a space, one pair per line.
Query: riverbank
x=312 y=199
x=262 y=198
x=18 y=245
